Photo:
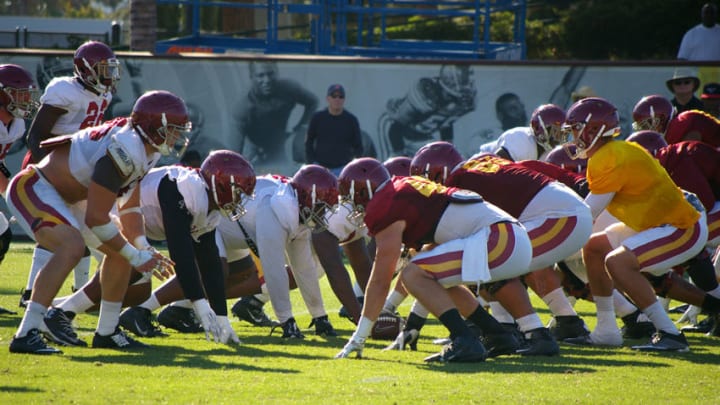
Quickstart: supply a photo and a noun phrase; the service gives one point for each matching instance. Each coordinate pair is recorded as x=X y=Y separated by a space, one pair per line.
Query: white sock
x=500 y=313
x=40 y=258
x=529 y=322
x=81 y=273
x=605 y=314
x=33 y=318
x=622 y=305
x=357 y=290
x=394 y=299
x=419 y=310
x=151 y=303
x=182 y=304
x=715 y=293
x=558 y=303
x=77 y=303
x=109 y=317
x=660 y=318
x=263 y=297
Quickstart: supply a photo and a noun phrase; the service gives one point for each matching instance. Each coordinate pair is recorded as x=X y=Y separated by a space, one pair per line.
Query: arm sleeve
x=106 y=175
x=177 y=221
x=208 y=259
x=598 y=202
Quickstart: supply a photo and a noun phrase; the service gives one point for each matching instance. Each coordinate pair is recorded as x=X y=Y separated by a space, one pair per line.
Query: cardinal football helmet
x=398 y=165
x=231 y=181
x=358 y=182
x=161 y=118
x=560 y=157
x=18 y=93
x=650 y=140
x=652 y=113
x=317 y=192
x=96 y=66
x=546 y=122
x=435 y=161
x=589 y=120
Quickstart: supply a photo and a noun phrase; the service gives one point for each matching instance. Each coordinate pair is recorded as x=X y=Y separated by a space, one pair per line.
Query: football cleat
x=598 y=338
x=539 y=342
x=138 y=320
x=31 y=343
x=323 y=327
x=570 y=326
x=24 y=298
x=118 y=340
x=703 y=326
x=715 y=331
x=405 y=339
x=290 y=330
x=499 y=344
x=632 y=329
x=665 y=342
x=462 y=349
x=679 y=309
x=343 y=313
x=59 y=329
x=180 y=319
x=250 y=309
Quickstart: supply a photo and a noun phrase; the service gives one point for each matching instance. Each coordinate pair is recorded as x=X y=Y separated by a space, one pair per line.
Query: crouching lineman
x=183 y=206
x=64 y=202
x=476 y=242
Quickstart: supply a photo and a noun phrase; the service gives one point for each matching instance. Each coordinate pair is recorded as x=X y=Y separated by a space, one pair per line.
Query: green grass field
x=183 y=368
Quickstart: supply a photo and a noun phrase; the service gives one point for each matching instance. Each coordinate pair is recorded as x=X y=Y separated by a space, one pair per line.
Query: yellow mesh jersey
x=645 y=195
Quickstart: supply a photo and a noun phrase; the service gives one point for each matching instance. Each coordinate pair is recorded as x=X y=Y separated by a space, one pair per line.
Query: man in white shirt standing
x=702 y=42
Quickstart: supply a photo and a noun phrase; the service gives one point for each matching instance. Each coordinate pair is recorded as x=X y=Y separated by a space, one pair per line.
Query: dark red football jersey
x=502 y=182
x=694 y=166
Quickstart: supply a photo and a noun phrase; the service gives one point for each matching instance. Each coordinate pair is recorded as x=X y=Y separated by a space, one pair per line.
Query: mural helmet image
x=559 y=157
x=589 y=120
x=96 y=66
x=162 y=119
x=358 y=181
x=435 y=161
x=457 y=81
x=652 y=113
x=51 y=67
x=317 y=193
x=398 y=165
x=652 y=141
x=231 y=181
x=546 y=122
x=18 y=92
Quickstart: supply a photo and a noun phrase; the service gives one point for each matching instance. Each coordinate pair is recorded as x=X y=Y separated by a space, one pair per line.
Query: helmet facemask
x=102 y=77
x=316 y=216
x=174 y=137
x=234 y=209
x=357 y=214
x=22 y=103
x=550 y=136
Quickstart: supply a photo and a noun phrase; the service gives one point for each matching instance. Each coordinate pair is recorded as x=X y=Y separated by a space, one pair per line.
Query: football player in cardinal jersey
x=652 y=113
x=415 y=211
x=64 y=203
x=71 y=103
x=533 y=142
x=183 y=206
x=660 y=225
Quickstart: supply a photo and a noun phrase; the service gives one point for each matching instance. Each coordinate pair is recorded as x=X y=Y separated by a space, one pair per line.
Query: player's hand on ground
x=208 y=319
x=227 y=333
x=353 y=345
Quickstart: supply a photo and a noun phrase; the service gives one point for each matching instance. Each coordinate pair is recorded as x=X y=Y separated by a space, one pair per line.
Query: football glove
x=353 y=345
x=227 y=333
x=207 y=318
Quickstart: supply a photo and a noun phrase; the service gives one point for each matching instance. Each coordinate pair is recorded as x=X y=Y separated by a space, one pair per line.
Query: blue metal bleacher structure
x=354 y=28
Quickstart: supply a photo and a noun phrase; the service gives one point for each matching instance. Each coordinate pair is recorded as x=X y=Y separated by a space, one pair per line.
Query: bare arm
x=40 y=128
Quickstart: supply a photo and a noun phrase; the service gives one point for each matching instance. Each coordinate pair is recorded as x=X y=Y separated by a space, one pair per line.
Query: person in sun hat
x=683 y=84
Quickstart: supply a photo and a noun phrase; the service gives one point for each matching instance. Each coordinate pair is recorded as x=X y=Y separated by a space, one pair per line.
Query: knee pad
x=495 y=286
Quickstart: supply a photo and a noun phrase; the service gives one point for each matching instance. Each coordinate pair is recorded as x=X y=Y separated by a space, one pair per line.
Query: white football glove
x=227 y=333
x=690 y=315
x=353 y=345
x=207 y=318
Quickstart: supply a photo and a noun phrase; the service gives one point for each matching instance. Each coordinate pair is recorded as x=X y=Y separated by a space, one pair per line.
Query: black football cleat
x=138 y=320
x=118 y=340
x=632 y=329
x=539 y=342
x=24 y=298
x=570 y=326
x=32 y=343
x=180 y=319
x=59 y=329
x=499 y=344
x=665 y=342
x=704 y=326
x=290 y=330
x=250 y=309
x=462 y=349
x=323 y=327
x=405 y=339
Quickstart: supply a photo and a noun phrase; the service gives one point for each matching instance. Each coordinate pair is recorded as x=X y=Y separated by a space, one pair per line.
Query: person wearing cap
x=683 y=85
x=581 y=93
x=711 y=99
x=702 y=42
x=333 y=138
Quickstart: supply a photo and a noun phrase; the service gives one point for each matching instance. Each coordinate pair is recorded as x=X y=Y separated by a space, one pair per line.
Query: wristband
x=106 y=231
x=132 y=210
x=141 y=242
x=129 y=252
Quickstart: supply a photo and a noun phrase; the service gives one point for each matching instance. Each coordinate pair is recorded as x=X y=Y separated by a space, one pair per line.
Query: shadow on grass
x=24 y=390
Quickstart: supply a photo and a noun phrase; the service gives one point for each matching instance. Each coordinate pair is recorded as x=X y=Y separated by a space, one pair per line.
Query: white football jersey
x=191 y=186
x=520 y=143
x=341 y=227
x=280 y=197
x=84 y=108
x=9 y=135
x=91 y=144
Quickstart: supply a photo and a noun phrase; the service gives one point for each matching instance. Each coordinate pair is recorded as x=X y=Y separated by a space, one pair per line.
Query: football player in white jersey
x=533 y=142
x=71 y=103
x=18 y=101
x=64 y=202
x=183 y=206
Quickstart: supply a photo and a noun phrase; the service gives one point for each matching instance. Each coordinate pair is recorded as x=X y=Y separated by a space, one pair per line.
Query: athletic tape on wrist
x=363 y=329
x=105 y=232
x=128 y=252
x=133 y=210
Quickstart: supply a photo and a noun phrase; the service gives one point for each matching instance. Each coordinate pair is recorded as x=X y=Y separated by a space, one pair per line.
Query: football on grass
x=387 y=326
